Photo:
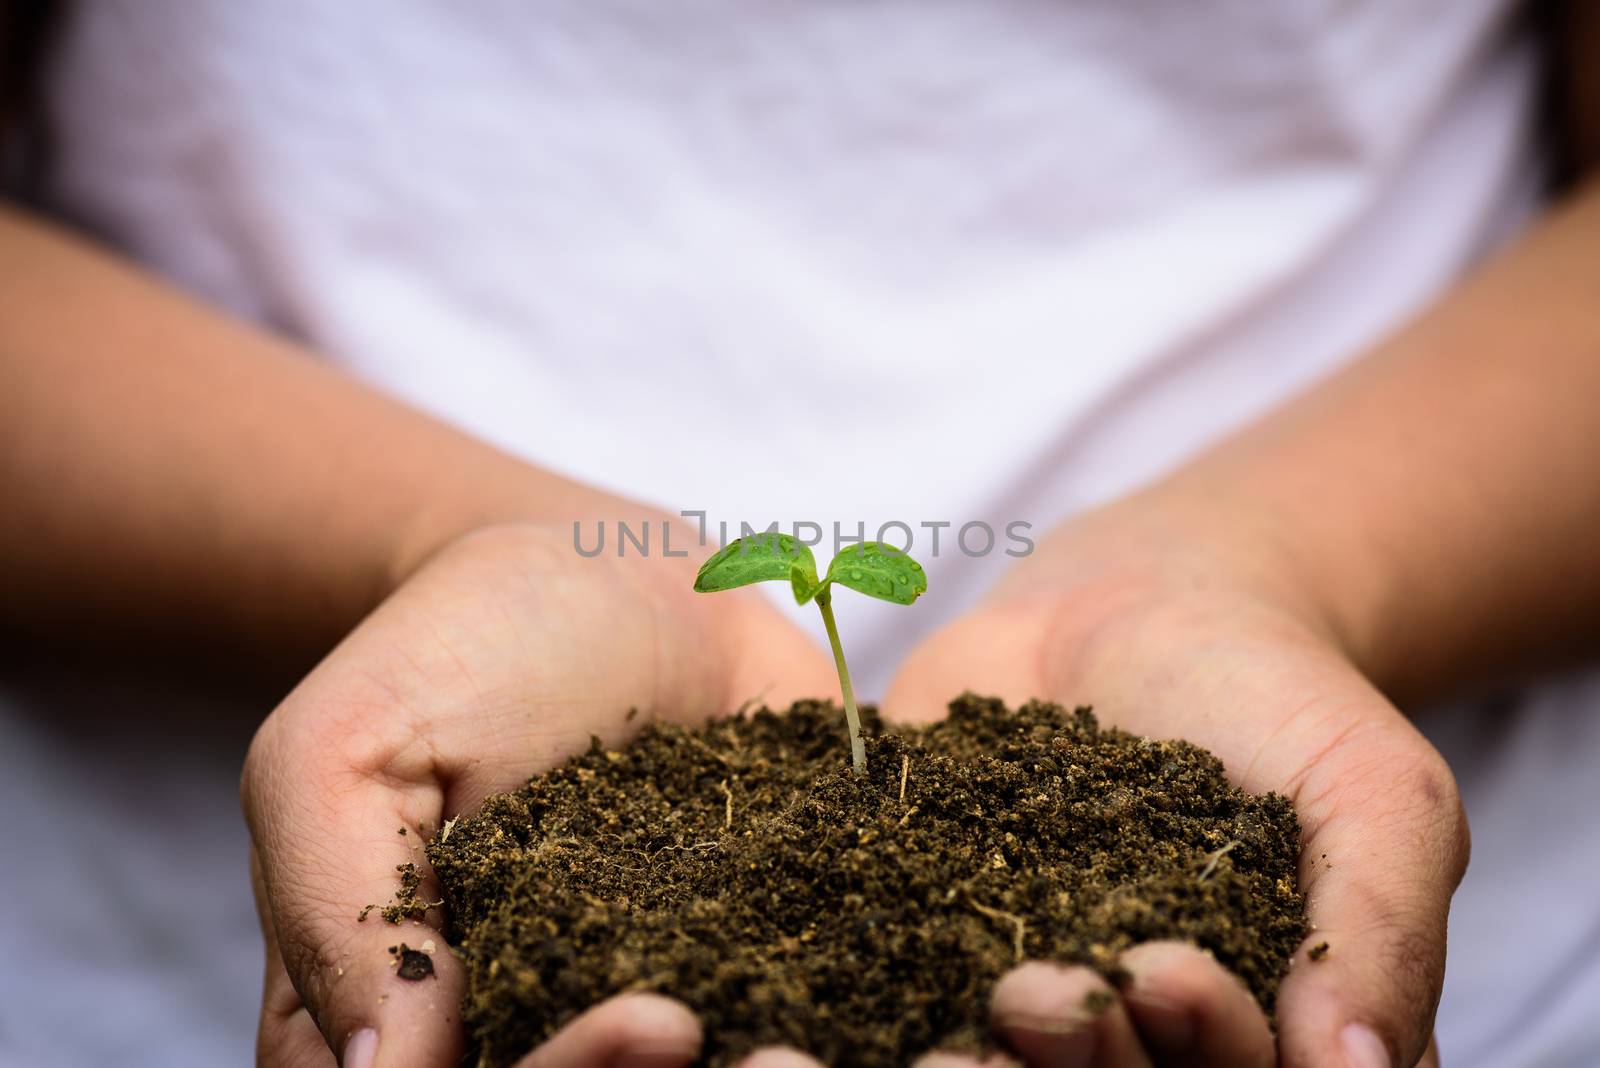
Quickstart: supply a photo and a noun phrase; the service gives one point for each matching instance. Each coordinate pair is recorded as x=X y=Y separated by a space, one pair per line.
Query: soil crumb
x=411 y=963
x=744 y=869
x=407 y=903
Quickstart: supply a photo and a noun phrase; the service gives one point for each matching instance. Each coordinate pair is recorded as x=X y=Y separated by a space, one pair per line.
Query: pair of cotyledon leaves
x=869 y=568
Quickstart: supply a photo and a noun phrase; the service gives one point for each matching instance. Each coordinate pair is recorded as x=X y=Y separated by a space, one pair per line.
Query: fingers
x=329 y=848
x=1387 y=849
x=630 y=1031
x=1179 y=1008
x=1064 y=1017
x=287 y=1035
x=1189 y=1010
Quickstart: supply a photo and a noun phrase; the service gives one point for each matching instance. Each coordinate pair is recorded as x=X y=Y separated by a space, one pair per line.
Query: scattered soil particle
x=1318 y=951
x=413 y=964
x=1097 y=1001
x=743 y=869
x=407 y=904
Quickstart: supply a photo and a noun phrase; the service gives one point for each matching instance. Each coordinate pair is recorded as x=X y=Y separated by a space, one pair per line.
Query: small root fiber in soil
x=743 y=869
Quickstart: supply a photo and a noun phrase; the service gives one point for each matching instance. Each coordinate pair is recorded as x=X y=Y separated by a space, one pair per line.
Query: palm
x=499 y=660
x=1284 y=712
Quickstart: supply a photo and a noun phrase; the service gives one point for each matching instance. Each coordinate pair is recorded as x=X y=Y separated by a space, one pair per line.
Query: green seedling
x=870 y=568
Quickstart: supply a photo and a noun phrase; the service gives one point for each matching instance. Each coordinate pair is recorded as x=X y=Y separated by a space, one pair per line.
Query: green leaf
x=803 y=580
x=760 y=558
x=879 y=571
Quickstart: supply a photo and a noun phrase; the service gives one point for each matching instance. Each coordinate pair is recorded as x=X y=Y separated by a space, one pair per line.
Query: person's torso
x=812 y=261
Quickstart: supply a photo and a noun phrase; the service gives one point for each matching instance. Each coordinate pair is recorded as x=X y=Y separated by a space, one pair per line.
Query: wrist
x=560 y=513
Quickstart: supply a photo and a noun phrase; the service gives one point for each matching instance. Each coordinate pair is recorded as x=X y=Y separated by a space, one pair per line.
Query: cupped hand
x=1168 y=638
x=498 y=659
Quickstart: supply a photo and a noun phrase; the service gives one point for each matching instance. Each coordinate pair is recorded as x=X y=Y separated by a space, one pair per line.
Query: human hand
x=498 y=659
x=1171 y=637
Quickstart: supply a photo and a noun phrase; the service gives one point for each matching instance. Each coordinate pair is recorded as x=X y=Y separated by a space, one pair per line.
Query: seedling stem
x=858 y=748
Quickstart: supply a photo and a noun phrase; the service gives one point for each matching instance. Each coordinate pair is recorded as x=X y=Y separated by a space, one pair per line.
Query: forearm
x=1438 y=503
x=163 y=466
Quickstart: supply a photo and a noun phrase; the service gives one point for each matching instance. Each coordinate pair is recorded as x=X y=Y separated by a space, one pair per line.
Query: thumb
x=994 y=652
x=768 y=660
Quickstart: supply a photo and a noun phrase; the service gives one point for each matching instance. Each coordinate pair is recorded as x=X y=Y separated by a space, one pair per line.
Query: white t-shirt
x=835 y=261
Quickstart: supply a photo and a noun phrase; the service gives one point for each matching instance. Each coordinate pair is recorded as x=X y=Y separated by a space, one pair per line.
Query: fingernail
x=668 y=1056
x=1363 y=1048
x=1066 y=1044
x=941 y=1059
x=777 y=1057
x=361 y=1050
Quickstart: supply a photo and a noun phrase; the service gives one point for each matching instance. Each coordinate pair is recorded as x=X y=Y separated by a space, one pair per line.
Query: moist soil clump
x=744 y=869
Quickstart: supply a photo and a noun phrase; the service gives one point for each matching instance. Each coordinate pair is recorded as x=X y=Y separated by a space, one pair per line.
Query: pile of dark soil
x=743 y=869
